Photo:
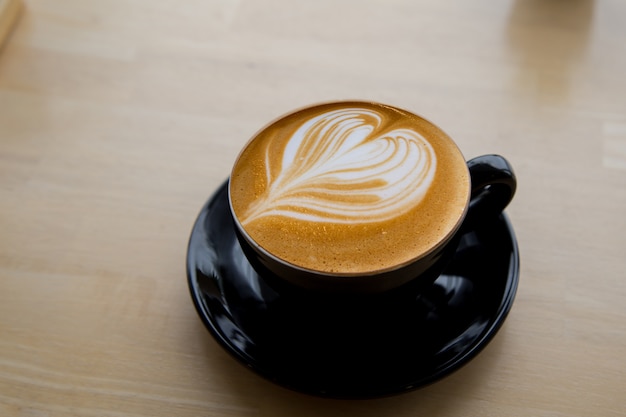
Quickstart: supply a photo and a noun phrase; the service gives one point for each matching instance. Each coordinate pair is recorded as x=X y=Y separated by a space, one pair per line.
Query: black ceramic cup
x=492 y=187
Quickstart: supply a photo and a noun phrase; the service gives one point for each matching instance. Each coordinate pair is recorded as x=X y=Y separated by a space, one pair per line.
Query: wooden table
x=119 y=118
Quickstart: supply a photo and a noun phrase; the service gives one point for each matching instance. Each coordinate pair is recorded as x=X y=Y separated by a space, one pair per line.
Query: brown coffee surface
x=349 y=188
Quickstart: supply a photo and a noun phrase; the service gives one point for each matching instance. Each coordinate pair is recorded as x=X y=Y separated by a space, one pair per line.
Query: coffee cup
x=359 y=197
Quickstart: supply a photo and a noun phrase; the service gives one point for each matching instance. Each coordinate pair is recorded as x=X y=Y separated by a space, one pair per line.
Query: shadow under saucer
x=370 y=347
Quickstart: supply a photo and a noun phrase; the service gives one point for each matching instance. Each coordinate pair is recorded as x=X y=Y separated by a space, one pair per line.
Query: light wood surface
x=9 y=11
x=119 y=118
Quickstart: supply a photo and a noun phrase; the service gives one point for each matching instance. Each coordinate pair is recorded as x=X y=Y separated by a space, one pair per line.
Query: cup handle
x=493 y=188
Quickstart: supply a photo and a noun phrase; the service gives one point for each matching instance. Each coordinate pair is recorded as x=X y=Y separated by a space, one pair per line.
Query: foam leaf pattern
x=347 y=166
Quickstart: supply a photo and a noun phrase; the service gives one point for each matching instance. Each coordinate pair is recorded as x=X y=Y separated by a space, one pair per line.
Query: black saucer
x=369 y=349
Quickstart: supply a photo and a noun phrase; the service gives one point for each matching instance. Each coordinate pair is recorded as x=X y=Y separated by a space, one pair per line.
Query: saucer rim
x=446 y=368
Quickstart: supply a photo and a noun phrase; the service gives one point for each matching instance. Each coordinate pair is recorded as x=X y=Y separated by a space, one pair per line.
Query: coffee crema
x=349 y=188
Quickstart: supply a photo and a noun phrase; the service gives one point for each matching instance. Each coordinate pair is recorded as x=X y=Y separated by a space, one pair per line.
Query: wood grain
x=119 y=118
x=9 y=11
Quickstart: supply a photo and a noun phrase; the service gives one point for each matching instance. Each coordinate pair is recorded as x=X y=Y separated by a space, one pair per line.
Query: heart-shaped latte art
x=347 y=166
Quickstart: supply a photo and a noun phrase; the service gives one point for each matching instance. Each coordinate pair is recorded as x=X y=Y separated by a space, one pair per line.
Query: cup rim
x=348 y=275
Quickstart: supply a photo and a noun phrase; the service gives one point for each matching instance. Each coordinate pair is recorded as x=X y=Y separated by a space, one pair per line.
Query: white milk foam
x=344 y=167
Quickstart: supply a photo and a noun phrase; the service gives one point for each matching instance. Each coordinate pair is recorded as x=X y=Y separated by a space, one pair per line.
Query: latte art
x=349 y=188
x=346 y=166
